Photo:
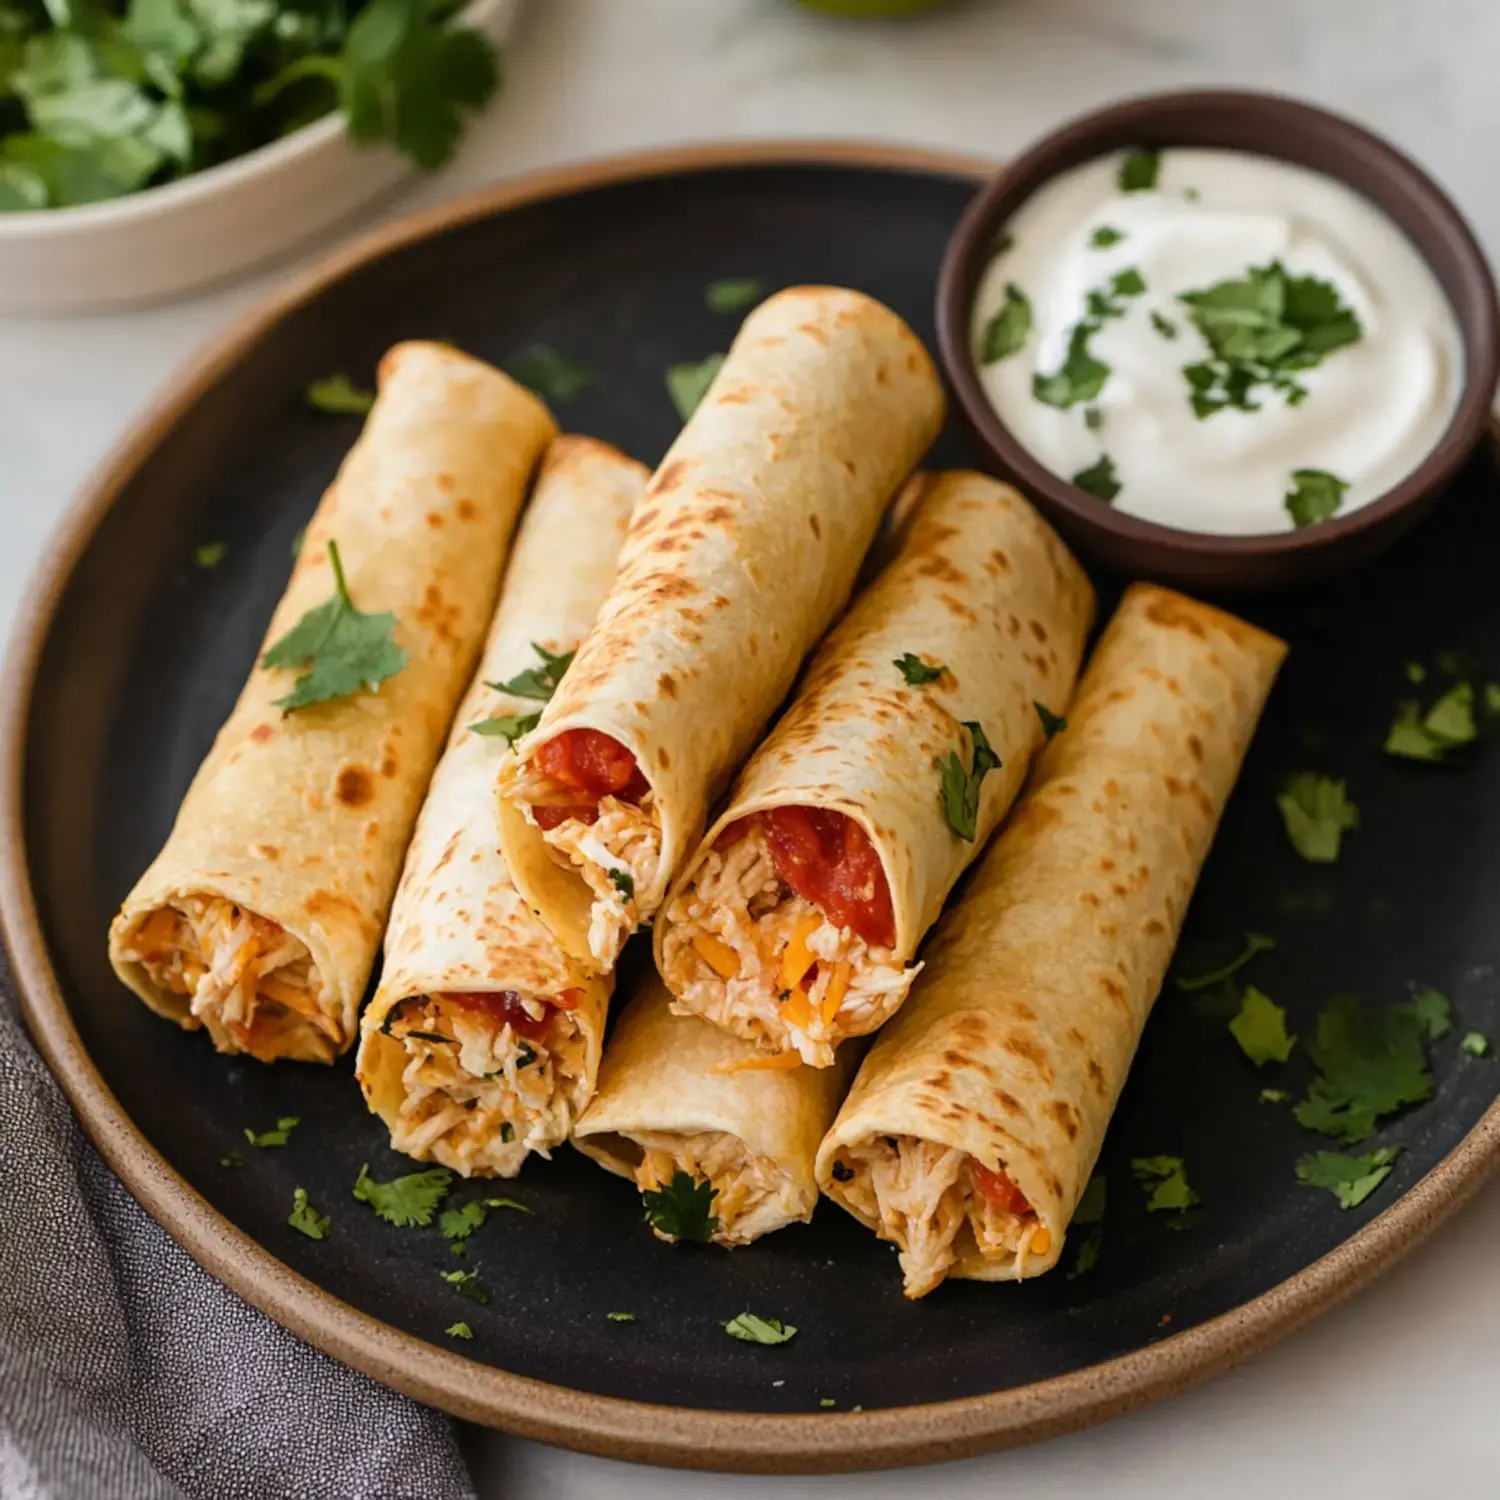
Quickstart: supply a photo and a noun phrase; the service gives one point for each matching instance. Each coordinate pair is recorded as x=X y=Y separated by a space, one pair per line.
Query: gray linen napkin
x=128 y=1373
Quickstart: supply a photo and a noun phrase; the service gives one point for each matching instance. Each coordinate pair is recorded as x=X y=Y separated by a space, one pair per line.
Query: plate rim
x=681 y=1437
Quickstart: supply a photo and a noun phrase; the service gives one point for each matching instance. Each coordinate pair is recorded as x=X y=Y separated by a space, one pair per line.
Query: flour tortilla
x=979 y=585
x=1017 y=1038
x=743 y=550
x=303 y=818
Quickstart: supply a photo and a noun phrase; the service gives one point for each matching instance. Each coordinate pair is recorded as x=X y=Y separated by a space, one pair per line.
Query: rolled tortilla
x=744 y=548
x=678 y=1095
x=482 y=1043
x=972 y=1127
x=797 y=920
x=261 y=917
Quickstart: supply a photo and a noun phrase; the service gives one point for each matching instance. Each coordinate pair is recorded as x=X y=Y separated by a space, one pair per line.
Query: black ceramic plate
x=134 y=656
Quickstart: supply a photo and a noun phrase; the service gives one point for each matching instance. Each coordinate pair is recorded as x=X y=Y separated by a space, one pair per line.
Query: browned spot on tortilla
x=331 y=904
x=815 y=526
x=389 y=765
x=434 y=520
x=445 y=482
x=959 y=608
x=1174 y=786
x=955 y=1059
x=1096 y=1077
x=263 y=734
x=1153 y=928
x=937 y=566
x=354 y=786
x=465 y=510
x=1065 y=1116
x=371 y=830
x=265 y=851
x=940 y=1081
x=814 y=332
x=1008 y=1102
x=1204 y=801
x=1022 y=1046
x=666 y=685
x=1106 y=864
x=668 y=477
x=882 y=375
x=1076 y=1036
x=1088 y=898
x=1113 y=988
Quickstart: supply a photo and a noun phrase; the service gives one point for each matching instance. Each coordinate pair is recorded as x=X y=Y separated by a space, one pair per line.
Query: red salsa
x=595 y=766
x=999 y=1189
x=505 y=1006
x=827 y=858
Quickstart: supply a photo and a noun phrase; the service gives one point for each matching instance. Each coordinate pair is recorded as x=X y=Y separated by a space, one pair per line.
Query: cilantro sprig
x=339 y=396
x=537 y=683
x=915 y=672
x=751 y=1328
x=1052 y=724
x=1260 y=1029
x=1315 y=495
x=336 y=649
x=960 y=788
x=682 y=1209
x=305 y=1219
x=732 y=294
x=280 y=1136
x=1351 y=1179
x=1081 y=376
x=1255 y=942
x=688 y=383
x=1006 y=330
x=1317 y=813
x=1100 y=479
x=407 y=1202
x=1164 y=1181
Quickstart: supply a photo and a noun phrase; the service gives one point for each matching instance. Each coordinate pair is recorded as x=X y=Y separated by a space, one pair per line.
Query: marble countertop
x=1391 y=1395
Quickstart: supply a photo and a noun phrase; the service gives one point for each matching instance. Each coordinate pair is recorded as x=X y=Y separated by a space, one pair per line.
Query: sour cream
x=1365 y=415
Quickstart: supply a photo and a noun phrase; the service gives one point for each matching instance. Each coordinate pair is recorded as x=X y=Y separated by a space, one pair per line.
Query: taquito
x=797 y=921
x=744 y=548
x=482 y=1042
x=974 y=1123
x=678 y=1096
x=261 y=916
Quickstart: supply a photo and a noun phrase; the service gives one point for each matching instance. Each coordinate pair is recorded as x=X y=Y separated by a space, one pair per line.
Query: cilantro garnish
x=1260 y=1029
x=752 y=1329
x=466 y=1284
x=732 y=293
x=408 y=1201
x=1099 y=479
x=1371 y=1063
x=1351 y=1179
x=1449 y=725
x=526 y=1056
x=305 y=1219
x=1163 y=325
x=553 y=376
x=620 y=1317
x=624 y=882
x=1164 y=1179
x=1093 y=418
x=960 y=788
x=827 y=1401
x=1317 y=814
x=1105 y=236
x=1051 y=723
x=507 y=727
x=1081 y=376
x=278 y=1137
x=232 y=1159
x=688 y=383
x=335 y=649
x=507 y=1132
x=1315 y=496
x=1433 y=1009
x=1255 y=942
x=1273 y=1096
x=680 y=1210
x=916 y=671
x=1089 y=1216
x=1005 y=333
x=459 y=1330
x=1263 y=328
x=540 y=682
x=210 y=554
x=460 y=1223
x=1475 y=1043
x=1139 y=171
x=339 y=396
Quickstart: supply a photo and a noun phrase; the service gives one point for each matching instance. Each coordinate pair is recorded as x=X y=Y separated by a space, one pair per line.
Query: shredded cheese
x=837 y=987
x=779 y=1062
x=719 y=956
x=798 y=957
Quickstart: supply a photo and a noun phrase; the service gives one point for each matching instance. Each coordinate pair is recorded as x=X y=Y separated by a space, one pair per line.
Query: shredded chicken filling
x=921 y=1196
x=752 y=1195
x=746 y=952
x=479 y=1097
x=618 y=855
x=250 y=983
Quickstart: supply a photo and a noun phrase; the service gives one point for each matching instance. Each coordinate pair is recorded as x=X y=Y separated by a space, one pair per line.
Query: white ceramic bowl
x=208 y=227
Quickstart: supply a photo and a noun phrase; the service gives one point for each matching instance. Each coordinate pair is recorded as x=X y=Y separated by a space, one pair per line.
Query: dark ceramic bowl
x=1291 y=132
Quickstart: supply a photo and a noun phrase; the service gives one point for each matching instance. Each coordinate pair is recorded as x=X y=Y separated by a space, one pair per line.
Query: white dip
x=1326 y=346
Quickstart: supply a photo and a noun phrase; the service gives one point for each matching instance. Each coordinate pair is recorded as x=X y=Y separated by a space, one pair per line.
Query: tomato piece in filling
x=502 y=1006
x=999 y=1189
x=591 y=763
x=828 y=859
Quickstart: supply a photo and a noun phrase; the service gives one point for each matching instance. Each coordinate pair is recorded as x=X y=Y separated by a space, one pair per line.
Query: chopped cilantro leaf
x=335 y=649
x=553 y=376
x=232 y=1159
x=624 y=882
x=459 y=1330
x=1475 y=1043
x=1093 y=418
x=460 y=1223
x=732 y=294
x=466 y=1284
x=1164 y=1179
x=1105 y=236
x=278 y=1137
x=305 y=1219
x=687 y=384
x=520 y=1208
x=1139 y=171
x=1127 y=283
x=917 y=672
x=538 y=683
x=960 y=788
x=1317 y=814
x=1163 y=325
x=1433 y=1009
x=1449 y=725
x=1273 y=1096
x=681 y=1209
x=1351 y=1179
x=620 y=1317
x=1051 y=723
x=210 y=554
x=406 y=1201
x=1371 y=1063
x=1315 y=495
x=1099 y=479
x=1260 y=1029
x=1416 y=673
x=1255 y=942
x=339 y=395
x=507 y=1132
x=752 y=1329
x=1005 y=333
x=827 y=1401
x=526 y=1056
x=1080 y=378
x=507 y=727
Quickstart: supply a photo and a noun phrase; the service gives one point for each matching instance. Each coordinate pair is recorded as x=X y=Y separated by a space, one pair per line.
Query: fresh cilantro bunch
x=101 y=98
